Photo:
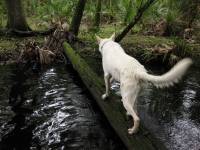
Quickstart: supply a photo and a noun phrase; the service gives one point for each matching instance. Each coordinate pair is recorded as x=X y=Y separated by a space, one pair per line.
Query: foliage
x=2 y=14
x=182 y=48
x=41 y=14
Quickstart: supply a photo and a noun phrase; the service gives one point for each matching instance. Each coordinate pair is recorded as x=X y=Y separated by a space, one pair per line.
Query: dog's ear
x=98 y=38
x=113 y=37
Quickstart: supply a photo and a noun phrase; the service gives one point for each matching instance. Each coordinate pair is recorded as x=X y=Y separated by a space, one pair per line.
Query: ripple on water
x=61 y=116
x=184 y=135
x=173 y=114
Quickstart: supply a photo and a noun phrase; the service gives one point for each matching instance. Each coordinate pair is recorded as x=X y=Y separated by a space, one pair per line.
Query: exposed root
x=32 y=52
x=45 y=56
x=52 y=48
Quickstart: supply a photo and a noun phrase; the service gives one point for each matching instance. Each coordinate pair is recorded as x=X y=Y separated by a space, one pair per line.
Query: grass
x=6 y=43
x=9 y=45
x=139 y=46
x=136 y=45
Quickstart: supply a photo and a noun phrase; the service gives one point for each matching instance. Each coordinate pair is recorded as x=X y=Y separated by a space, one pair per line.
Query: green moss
x=146 y=40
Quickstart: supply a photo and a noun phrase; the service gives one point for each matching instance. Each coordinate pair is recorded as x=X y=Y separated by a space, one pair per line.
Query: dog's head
x=102 y=41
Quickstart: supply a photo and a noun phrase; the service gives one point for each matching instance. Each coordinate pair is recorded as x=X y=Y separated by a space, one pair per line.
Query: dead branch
x=32 y=52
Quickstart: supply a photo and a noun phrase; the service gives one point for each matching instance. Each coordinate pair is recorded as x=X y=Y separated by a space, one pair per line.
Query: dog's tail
x=169 y=78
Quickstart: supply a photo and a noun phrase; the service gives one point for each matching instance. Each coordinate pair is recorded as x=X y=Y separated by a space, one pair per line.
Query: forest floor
x=146 y=48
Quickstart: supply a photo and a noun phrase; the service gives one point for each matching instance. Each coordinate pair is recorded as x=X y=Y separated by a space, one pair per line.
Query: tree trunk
x=16 y=17
x=97 y=14
x=76 y=20
x=138 y=16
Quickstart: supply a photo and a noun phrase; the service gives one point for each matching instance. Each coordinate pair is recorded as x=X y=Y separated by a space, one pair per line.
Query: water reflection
x=173 y=114
x=49 y=111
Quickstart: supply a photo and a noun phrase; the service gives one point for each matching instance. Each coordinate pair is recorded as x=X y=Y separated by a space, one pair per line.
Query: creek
x=50 y=110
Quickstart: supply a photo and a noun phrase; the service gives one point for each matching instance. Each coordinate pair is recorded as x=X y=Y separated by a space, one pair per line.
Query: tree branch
x=138 y=16
x=76 y=20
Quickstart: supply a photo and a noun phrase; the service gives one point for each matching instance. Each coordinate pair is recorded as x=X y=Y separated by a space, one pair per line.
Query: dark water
x=173 y=114
x=177 y=112
x=50 y=110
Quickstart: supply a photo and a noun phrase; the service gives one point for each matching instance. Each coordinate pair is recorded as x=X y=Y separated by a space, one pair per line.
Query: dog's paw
x=128 y=114
x=132 y=131
x=104 y=96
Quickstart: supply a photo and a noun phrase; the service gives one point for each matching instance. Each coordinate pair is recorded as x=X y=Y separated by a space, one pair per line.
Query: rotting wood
x=112 y=107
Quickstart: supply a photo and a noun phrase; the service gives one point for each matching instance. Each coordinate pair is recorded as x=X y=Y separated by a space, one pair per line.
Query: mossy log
x=112 y=107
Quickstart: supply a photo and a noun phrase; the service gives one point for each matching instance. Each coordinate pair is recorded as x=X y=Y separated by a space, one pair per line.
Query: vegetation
x=42 y=13
x=32 y=33
x=175 y=19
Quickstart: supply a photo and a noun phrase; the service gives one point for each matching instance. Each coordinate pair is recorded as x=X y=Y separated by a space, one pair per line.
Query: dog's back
x=116 y=62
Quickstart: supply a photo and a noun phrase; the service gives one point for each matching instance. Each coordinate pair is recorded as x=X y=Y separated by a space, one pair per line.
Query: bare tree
x=17 y=24
x=16 y=17
x=97 y=18
x=138 y=16
x=76 y=20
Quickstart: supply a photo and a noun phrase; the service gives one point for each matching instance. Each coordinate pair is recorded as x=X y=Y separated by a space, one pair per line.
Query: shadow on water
x=50 y=110
x=19 y=133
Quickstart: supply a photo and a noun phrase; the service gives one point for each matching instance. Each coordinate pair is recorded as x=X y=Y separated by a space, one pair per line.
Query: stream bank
x=147 y=49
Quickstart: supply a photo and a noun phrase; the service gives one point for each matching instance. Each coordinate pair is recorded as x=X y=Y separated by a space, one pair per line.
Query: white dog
x=131 y=74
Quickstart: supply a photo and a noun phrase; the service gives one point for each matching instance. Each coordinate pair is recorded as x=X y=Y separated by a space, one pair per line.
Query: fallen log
x=112 y=107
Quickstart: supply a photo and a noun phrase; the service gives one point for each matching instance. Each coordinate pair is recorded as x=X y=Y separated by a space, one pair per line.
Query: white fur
x=131 y=74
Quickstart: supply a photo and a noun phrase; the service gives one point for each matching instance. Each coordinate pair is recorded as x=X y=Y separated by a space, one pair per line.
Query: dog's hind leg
x=107 y=84
x=131 y=111
x=135 y=106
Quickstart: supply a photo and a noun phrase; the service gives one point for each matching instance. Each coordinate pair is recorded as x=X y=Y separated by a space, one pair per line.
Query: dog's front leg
x=107 y=84
x=111 y=80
